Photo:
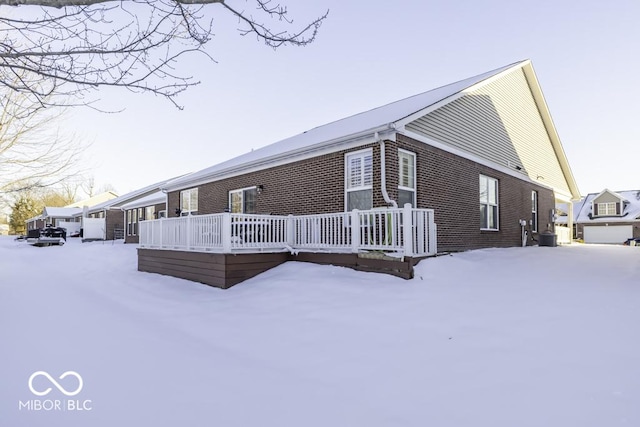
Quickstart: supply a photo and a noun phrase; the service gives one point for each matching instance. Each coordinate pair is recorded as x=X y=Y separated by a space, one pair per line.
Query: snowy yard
x=496 y=337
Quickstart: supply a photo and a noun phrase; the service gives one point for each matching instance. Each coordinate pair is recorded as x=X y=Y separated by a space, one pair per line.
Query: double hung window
x=188 y=201
x=407 y=178
x=488 y=203
x=359 y=180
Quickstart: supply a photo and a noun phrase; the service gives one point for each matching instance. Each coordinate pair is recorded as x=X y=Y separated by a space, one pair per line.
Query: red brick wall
x=449 y=184
x=115 y=219
x=445 y=182
x=309 y=186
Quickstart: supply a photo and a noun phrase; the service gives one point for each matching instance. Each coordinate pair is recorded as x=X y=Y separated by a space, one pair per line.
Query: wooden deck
x=225 y=249
x=226 y=270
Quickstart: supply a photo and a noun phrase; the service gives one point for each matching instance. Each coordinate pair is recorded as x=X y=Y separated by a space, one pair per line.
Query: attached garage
x=607 y=233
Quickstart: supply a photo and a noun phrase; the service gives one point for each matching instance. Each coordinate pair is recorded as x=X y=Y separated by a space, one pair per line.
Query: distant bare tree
x=56 y=198
x=88 y=185
x=68 y=190
x=33 y=154
x=53 y=49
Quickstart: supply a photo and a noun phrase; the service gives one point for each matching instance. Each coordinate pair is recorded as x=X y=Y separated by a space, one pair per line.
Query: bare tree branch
x=58 y=51
x=33 y=154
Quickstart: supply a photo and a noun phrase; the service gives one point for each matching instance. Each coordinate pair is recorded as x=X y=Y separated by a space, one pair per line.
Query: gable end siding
x=606 y=198
x=498 y=122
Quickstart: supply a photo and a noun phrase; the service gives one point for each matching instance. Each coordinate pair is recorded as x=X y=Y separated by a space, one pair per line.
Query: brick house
x=71 y=213
x=442 y=149
x=608 y=217
x=482 y=154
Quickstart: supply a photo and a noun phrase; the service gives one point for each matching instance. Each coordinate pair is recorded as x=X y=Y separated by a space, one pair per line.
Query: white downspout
x=383 y=173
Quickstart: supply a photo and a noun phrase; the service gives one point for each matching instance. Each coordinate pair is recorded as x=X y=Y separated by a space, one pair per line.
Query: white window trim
x=241 y=191
x=608 y=205
x=347 y=190
x=415 y=178
x=129 y=215
x=497 y=204
x=190 y=192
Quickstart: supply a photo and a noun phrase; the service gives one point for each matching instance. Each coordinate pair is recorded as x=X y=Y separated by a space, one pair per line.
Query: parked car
x=633 y=241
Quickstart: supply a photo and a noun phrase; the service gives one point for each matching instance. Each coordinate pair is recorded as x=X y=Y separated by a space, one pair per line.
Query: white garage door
x=607 y=234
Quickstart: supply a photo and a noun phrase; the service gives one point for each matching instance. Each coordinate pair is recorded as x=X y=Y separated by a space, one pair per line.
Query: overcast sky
x=367 y=54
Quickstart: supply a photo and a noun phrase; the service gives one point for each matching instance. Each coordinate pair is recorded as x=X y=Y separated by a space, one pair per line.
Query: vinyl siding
x=606 y=198
x=499 y=122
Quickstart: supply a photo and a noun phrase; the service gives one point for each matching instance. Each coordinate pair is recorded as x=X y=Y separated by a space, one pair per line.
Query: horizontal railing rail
x=409 y=231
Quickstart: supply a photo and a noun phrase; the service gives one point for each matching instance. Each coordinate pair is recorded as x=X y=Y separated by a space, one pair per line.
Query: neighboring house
x=111 y=211
x=53 y=216
x=62 y=217
x=152 y=206
x=482 y=153
x=71 y=213
x=608 y=216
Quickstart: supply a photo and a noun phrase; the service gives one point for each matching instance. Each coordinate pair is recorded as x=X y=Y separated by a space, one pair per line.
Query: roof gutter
x=359 y=138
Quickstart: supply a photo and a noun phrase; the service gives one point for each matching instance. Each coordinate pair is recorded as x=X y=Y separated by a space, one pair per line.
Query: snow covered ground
x=496 y=337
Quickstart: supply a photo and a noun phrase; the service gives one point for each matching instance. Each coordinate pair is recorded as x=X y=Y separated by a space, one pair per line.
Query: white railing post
x=161 y=227
x=433 y=234
x=226 y=232
x=188 y=232
x=291 y=231
x=355 y=230
x=407 y=230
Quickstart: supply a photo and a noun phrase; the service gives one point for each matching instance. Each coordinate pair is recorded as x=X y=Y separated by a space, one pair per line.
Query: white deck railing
x=411 y=232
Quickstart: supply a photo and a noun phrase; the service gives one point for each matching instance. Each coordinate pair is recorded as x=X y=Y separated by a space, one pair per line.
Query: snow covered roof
x=583 y=209
x=56 y=212
x=382 y=119
x=92 y=201
x=152 y=199
x=130 y=197
x=35 y=218
x=126 y=198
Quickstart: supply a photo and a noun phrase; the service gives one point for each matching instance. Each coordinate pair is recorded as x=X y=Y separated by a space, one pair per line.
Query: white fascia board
x=545 y=113
x=563 y=197
x=386 y=132
x=609 y=220
x=477 y=159
x=141 y=204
